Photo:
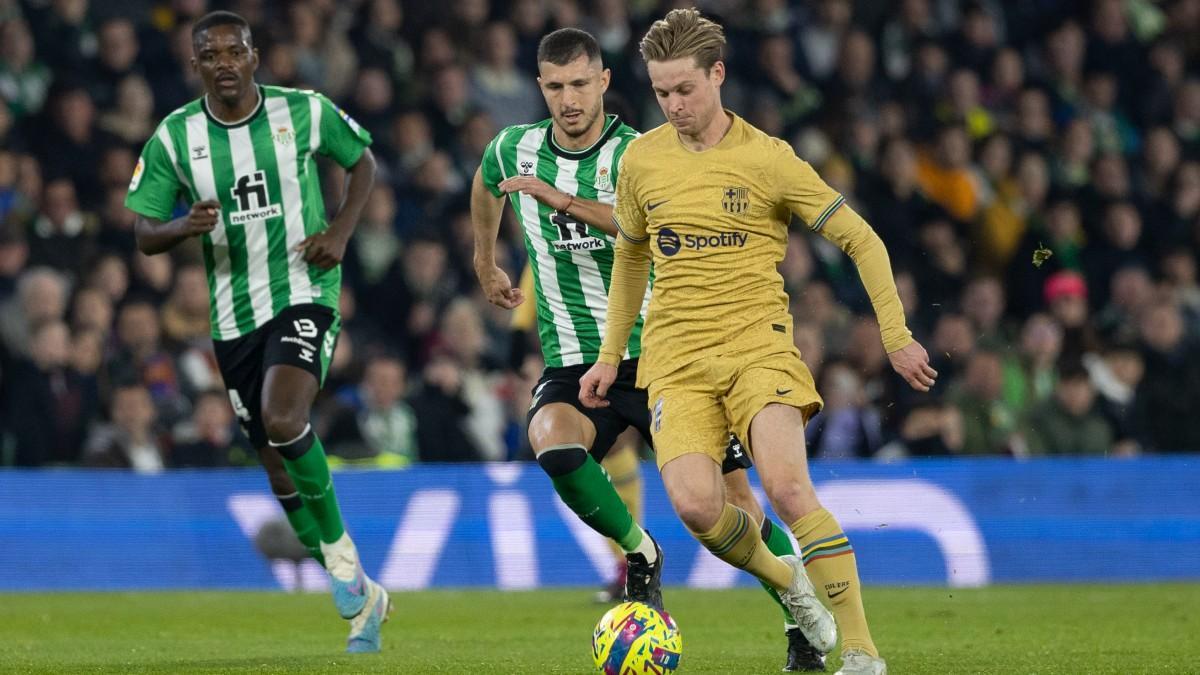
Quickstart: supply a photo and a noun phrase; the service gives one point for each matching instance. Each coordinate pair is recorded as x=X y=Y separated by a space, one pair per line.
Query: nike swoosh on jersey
x=651 y=207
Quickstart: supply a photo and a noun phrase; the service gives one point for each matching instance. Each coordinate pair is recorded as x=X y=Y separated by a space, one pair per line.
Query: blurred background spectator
x=372 y=425
x=1034 y=169
x=130 y=438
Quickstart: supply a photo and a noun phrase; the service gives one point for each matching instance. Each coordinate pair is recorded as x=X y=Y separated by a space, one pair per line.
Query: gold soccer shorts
x=694 y=408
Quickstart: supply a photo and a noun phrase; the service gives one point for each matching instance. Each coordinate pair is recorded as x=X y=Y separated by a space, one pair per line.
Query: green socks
x=304 y=459
x=778 y=543
x=585 y=488
x=303 y=524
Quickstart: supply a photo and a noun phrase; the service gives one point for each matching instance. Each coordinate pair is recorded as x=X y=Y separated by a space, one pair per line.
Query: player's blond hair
x=682 y=33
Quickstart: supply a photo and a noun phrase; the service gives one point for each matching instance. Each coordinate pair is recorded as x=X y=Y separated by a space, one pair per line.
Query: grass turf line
x=1044 y=630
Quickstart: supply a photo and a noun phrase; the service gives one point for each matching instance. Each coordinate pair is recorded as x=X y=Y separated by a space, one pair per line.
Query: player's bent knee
x=284 y=427
x=792 y=500
x=559 y=424
x=699 y=515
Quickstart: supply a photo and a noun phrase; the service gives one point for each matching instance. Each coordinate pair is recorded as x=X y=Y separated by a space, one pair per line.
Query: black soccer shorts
x=301 y=335
x=628 y=406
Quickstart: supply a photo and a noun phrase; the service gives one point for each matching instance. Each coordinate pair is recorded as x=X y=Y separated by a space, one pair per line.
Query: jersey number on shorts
x=305 y=328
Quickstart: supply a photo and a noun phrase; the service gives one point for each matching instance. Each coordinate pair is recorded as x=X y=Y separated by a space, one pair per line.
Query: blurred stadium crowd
x=974 y=136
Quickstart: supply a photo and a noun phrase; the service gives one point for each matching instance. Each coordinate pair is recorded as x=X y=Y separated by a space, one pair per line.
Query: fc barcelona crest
x=736 y=199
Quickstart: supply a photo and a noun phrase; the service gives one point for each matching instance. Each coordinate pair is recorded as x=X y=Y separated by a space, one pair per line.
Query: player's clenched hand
x=594 y=384
x=498 y=287
x=323 y=249
x=202 y=218
x=912 y=362
x=536 y=188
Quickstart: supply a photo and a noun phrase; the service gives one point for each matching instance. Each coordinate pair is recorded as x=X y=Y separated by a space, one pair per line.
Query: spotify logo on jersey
x=668 y=242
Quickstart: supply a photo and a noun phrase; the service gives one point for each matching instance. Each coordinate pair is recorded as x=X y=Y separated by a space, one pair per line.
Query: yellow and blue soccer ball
x=633 y=637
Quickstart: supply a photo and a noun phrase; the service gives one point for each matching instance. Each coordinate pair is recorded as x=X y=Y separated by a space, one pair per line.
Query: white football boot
x=855 y=662
x=815 y=621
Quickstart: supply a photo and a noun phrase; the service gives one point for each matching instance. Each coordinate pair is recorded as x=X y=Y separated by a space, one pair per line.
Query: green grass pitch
x=1009 y=629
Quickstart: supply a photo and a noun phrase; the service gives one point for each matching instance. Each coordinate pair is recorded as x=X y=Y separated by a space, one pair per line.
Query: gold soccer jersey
x=715 y=225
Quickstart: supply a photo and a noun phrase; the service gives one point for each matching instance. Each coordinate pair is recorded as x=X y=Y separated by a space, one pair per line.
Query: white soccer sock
x=341 y=558
x=646 y=548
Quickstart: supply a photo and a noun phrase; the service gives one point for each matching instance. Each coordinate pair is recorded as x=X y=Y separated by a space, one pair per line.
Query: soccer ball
x=633 y=637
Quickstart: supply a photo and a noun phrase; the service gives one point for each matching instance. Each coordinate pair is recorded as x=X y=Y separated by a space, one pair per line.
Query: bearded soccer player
x=243 y=157
x=559 y=175
x=708 y=199
x=621 y=462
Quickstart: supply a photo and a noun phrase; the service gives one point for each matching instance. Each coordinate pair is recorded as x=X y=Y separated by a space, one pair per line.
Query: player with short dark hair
x=559 y=175
x=243 y=155
x=707 y=198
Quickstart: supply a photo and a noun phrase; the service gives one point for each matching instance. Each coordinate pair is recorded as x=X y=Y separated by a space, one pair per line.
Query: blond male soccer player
x=708 y=198
x=559 y=175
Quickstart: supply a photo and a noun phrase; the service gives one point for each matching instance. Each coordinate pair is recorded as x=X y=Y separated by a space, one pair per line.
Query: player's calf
x=304 y=458
x=829 y=558
x=299 y=516
x=584 y=487
x=801 y=656
x=306 y=527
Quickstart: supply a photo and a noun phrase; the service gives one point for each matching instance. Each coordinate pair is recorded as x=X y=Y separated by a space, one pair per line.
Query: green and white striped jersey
x=263 y=172
x=571 y=261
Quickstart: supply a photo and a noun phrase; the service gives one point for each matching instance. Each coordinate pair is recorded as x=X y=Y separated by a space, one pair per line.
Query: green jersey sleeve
x=342 y=139
x=489 y=167
x=155 y=188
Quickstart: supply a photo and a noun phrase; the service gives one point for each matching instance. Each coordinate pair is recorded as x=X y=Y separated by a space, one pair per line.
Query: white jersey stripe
x=527 y=151
x=164 y=137
x=280 y=116
x=206 y=188
x=590 y=280
x=241 y=149
x=314 y=129
x=499 y=157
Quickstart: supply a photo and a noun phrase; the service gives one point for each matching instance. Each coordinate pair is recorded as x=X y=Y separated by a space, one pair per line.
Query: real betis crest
x=284 y=135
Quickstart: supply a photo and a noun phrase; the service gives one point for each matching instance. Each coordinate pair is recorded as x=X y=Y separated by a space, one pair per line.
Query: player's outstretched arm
x=587 y=211
x=848 y=230
x=326 y=249
x=805 y=194
x=155 y=236
x=486 y=210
